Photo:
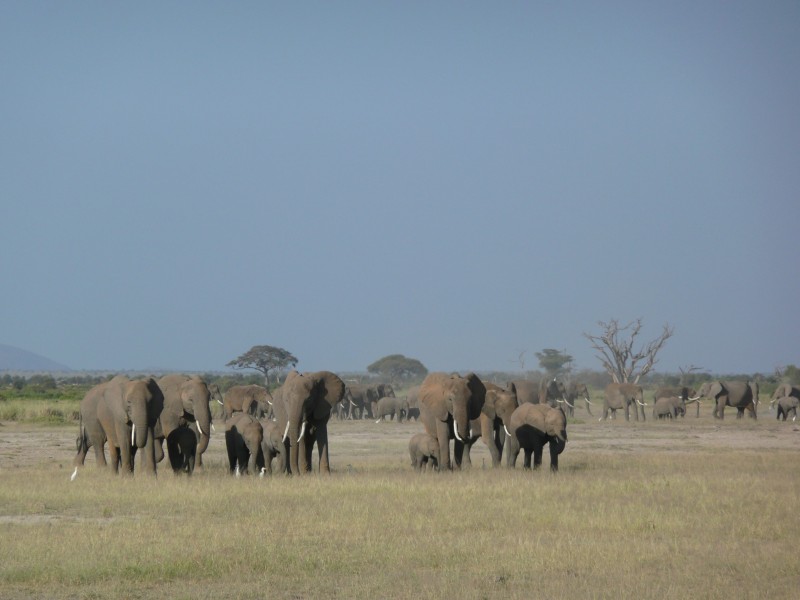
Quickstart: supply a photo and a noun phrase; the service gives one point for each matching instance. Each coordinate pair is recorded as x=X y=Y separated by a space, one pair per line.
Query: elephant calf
x=669 y=407
x=272 y=446
x=182 y=449
x=424 y=448
x=243 y=437
x=530 y=427
x=786 y=405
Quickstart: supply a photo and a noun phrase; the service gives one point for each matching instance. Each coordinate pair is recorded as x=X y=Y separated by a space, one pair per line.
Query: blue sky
x=453 y=181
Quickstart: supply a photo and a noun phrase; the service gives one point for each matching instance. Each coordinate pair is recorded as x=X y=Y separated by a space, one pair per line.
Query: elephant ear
x=330 y=386
x=477 y=394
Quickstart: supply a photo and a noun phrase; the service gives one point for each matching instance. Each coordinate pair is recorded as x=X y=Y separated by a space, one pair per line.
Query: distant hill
x=17 y=359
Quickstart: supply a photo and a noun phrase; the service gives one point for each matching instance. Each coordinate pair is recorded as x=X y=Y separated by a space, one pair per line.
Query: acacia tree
x=265 y=359
x=615 y=349
x=554 y=361
x=398 y=367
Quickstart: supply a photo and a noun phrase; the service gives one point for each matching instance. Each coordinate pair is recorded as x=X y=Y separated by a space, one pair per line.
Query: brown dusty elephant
x=577 y=390
x=272 y=447
x=738 y=394
x=243 y=437
x=491 y=425
x=424 y=449
x=125 y=413
x=389 y=406
x=623 y=395
x=531 y=426
x=786 y=405
x=306 y=403
x=251 y=399
x=186 y=403
x=447 y=404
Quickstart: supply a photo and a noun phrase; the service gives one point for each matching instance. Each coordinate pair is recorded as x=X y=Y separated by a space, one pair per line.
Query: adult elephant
x=389 y=406
x=552 y=392
x=527 y=390
x=186 y=404
x=447 y=404
x=738 y=394
x=412 y=395
x=492 y=423
x=90 y=432
x=251 y=399
x=128 y=411
x=307 y=401
x=243 y=437
x=531 y=426
x=376 y=392
x=356 y=405
x=623 y=395
x=577 y=390
x=786 y=405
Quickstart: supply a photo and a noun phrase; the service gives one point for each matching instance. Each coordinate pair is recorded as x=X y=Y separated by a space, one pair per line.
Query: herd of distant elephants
x=133 y=416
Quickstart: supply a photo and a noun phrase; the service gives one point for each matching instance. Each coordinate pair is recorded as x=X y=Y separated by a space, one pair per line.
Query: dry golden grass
x=693 y=509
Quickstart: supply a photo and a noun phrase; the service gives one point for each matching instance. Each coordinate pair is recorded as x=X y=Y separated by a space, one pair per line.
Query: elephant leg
x=159 y=450
x=491 y=443
x=113 y=457
x=526 y=463
x=230 y=446
x=553 y=457
x=443 y=436
x=458 y=453
x=100 y=455
x=125 y=450
x=322 y=449
x=538 y=450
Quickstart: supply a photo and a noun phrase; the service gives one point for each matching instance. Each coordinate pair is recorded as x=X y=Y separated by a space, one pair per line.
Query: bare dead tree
x=615 y=349
x=685 y=371
x=520 y=359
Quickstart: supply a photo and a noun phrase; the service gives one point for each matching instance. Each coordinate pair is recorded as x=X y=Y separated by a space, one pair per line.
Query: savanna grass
x=708 y=522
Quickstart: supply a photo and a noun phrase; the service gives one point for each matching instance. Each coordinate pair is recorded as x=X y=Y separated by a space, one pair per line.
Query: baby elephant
x=272 y=447
x=669 y=407
x=182 y=448
x=424 y=448
x=530 y=427
x=786 y=405
x=243 y=437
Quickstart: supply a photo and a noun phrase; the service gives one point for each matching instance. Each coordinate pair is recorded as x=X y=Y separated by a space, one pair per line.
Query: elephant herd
x=139 y=415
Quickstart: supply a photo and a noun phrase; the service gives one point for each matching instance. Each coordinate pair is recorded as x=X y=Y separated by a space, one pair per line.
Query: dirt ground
x=359 y=444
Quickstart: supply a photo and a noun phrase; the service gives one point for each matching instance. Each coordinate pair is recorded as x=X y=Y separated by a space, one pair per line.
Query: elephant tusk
x=268 y=402
x=286 y=432
x=200 y=429
x=302 y=432
x=379 y=420
x=507 y=432
x=214 y=429
x=220 y=403
x=263 y=470
x=455 y=427
x=133 y=435
x=74 y=474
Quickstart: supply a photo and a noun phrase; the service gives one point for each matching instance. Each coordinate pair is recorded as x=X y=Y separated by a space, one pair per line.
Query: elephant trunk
x=202 y=417
x=295 y=429
x=139 y=427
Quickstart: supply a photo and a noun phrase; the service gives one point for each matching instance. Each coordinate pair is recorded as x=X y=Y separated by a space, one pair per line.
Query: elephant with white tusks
x=782 y=391
x=124 y=413
x=576 y=390
x=624 y=395
x=447 y=405
x=530 y=427
x=739 y=394
x=786 y=405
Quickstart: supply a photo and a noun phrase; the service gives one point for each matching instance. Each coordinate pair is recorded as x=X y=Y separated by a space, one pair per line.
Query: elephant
x=685 y=393
x=356 y=405
x=243 y=437
x=669 y=406
x=531 y=426
x=447 y=404
x=125 y=415
x=527 y=390
x=376 y=392
x=412 y=395
x=783 y=390
x=576 y=390
x=306 y=403
x=786 y=405
x=491 y=425
x=423 y=449
x=552 y=392
x=729 y=393
x=272 y=447
x=389 y=406
x=182 y=448
x=623 y=395
x=252 y=399
x=186 y=402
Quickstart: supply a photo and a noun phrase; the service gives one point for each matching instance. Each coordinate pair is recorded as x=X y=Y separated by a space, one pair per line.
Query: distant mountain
x=17 y=359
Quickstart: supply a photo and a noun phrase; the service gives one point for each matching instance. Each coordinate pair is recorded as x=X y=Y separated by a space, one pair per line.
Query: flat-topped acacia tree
x=265 y=359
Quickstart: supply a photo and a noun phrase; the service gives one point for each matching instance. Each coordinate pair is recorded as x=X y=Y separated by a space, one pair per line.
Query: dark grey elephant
x=124 y=413
x=306 y=403
x=624 y=395
x=577 y=390
x=782 y=391
x=424 y=449
x=687 y=394
x=491 y=425
x=447 y=405
x=738 y=394
x=355 y=405
x=243 y=437
x=531 y=426
x=186 y=404
x=412 y=395
x=786 y=405
x=376 y=392
x=670 y=407
x=272 y=447
x=389 y=406
x=182 y=449
x=552 y=392
x=251 y=399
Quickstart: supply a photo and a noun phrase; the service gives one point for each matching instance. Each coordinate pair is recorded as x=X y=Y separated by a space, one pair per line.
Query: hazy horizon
x=452 y=181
